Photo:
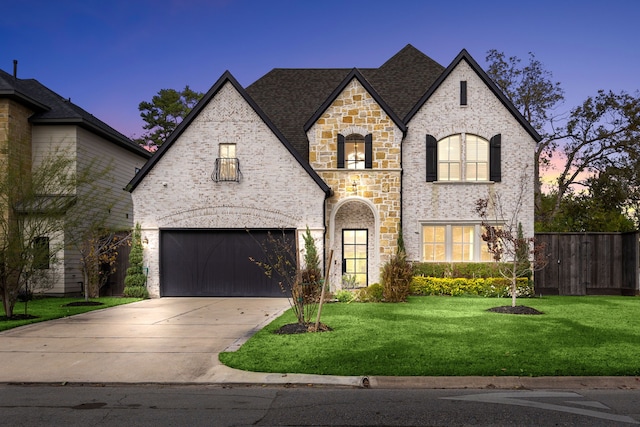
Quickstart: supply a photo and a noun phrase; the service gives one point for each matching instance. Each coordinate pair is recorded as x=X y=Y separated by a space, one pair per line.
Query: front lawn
x=42 y=309
x=436 y=336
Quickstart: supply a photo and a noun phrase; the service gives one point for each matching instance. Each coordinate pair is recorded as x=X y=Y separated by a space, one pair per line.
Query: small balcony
x=226 y=170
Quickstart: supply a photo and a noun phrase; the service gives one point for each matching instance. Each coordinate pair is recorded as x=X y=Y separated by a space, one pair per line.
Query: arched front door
x=354 y=243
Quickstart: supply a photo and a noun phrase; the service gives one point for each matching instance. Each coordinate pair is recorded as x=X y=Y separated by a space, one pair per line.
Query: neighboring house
x=43 y=122
x=354 y=154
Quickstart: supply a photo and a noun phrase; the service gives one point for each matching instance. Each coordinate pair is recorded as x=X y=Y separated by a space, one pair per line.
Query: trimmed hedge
x=486 y=287
x=470 y=270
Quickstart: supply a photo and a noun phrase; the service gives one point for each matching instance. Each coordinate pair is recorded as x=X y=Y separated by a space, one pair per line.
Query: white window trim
x=448 y=232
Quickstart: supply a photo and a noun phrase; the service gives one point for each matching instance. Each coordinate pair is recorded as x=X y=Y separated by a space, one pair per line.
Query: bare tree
x=600 y=133
x=517 y=254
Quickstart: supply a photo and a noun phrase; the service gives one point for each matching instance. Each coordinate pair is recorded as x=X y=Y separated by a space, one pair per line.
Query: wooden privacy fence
x=589 y=264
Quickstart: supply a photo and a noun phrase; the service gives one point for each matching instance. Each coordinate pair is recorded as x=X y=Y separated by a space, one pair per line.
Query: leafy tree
x=98 y=255
x=603 y=206
x=43 y=204
x=164 y=113
x=600 y=133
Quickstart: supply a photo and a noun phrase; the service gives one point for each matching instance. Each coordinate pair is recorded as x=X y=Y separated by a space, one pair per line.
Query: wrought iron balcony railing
x=226 y=169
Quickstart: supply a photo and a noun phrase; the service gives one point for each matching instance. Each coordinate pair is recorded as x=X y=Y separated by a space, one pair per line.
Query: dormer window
x=355 y=151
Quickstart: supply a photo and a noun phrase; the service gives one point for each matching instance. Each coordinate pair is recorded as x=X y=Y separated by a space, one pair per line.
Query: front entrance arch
x=360 y=215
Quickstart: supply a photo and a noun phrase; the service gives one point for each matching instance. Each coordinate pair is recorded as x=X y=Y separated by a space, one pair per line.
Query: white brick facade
x=274 y=190
x=441 y=116
x=279 y=189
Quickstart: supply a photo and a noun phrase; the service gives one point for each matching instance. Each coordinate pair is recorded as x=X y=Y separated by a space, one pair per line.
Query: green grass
x=435 y=336
x=54 y=308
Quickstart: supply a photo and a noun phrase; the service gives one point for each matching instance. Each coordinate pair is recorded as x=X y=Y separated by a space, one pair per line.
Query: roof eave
x=120 y=141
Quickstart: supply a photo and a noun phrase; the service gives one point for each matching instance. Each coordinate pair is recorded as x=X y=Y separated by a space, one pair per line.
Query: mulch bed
x=297 y=328
x=18 y=317
x=518 y=309
x=83 y=304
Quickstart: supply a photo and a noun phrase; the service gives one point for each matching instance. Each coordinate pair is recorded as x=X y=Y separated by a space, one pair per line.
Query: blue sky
x=107 y=56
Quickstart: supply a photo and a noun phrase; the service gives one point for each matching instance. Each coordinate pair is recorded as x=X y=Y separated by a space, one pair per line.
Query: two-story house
x=355 y=154
x=37 y=123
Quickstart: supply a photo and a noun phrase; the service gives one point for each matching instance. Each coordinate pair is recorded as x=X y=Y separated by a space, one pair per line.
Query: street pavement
x=177 y=341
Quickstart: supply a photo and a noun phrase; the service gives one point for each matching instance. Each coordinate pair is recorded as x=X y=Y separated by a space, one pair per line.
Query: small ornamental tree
x=135 y=281
x=518 y=255
x=279 y=261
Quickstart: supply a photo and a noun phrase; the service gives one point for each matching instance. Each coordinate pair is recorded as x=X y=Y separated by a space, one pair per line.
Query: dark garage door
x=216 y=263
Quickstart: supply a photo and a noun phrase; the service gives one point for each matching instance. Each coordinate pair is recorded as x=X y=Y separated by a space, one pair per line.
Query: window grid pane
x=449 y=158
x=477 y=165
x=434 y=248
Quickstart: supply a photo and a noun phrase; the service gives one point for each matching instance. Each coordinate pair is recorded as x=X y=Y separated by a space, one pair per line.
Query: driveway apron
x=167 y=340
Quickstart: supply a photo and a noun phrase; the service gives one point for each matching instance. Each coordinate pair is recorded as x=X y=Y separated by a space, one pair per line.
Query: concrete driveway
x=168 y=340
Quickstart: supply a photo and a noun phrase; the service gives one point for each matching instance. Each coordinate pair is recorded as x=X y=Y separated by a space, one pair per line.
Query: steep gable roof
x=51 y=108
x=354 y=74
x=224 y=79
x=290 y=97
x=464 y=55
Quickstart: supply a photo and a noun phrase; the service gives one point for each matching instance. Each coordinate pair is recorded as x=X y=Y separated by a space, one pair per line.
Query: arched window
x=477 y=158
x=354 y=151
x=463 y=157
x=449 y=158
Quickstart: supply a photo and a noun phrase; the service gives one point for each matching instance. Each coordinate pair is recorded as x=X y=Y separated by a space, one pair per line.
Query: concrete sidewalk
x=177 y=341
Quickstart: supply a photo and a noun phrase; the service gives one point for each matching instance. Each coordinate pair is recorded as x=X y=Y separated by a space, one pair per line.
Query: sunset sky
x=107 y=56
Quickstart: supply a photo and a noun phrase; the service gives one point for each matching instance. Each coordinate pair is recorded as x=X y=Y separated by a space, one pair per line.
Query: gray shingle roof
x=290 y=97
x=51 y=108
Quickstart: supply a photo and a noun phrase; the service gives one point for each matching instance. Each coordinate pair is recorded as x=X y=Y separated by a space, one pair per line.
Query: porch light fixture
x=145 y=242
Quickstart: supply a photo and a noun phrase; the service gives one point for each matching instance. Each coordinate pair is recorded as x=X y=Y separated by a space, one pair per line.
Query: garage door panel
x=215 y=263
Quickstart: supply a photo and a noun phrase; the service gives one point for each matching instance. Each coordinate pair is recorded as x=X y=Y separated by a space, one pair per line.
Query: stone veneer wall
x=356 y=111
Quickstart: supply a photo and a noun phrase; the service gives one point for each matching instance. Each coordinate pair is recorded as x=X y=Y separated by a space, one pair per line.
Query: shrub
x=468 y=270
x=396 y=275
x=486 y=287
x=344 y=296
x=135 y=272
x=136 y=292
x=372 y=293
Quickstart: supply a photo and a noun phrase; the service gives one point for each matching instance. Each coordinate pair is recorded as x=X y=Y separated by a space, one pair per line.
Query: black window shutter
x=495 y=168
x=463 y=92
x=368 y=151
x=340 y=151
x=432 y=159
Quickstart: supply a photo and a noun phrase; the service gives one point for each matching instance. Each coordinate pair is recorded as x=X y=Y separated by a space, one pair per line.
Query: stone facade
x=355 y=111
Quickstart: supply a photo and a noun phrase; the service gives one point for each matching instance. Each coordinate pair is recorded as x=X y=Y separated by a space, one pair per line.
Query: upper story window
x=449 y=158
x=355 y=151
x=463 y=157
x=477 y=156
x=227 y=166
